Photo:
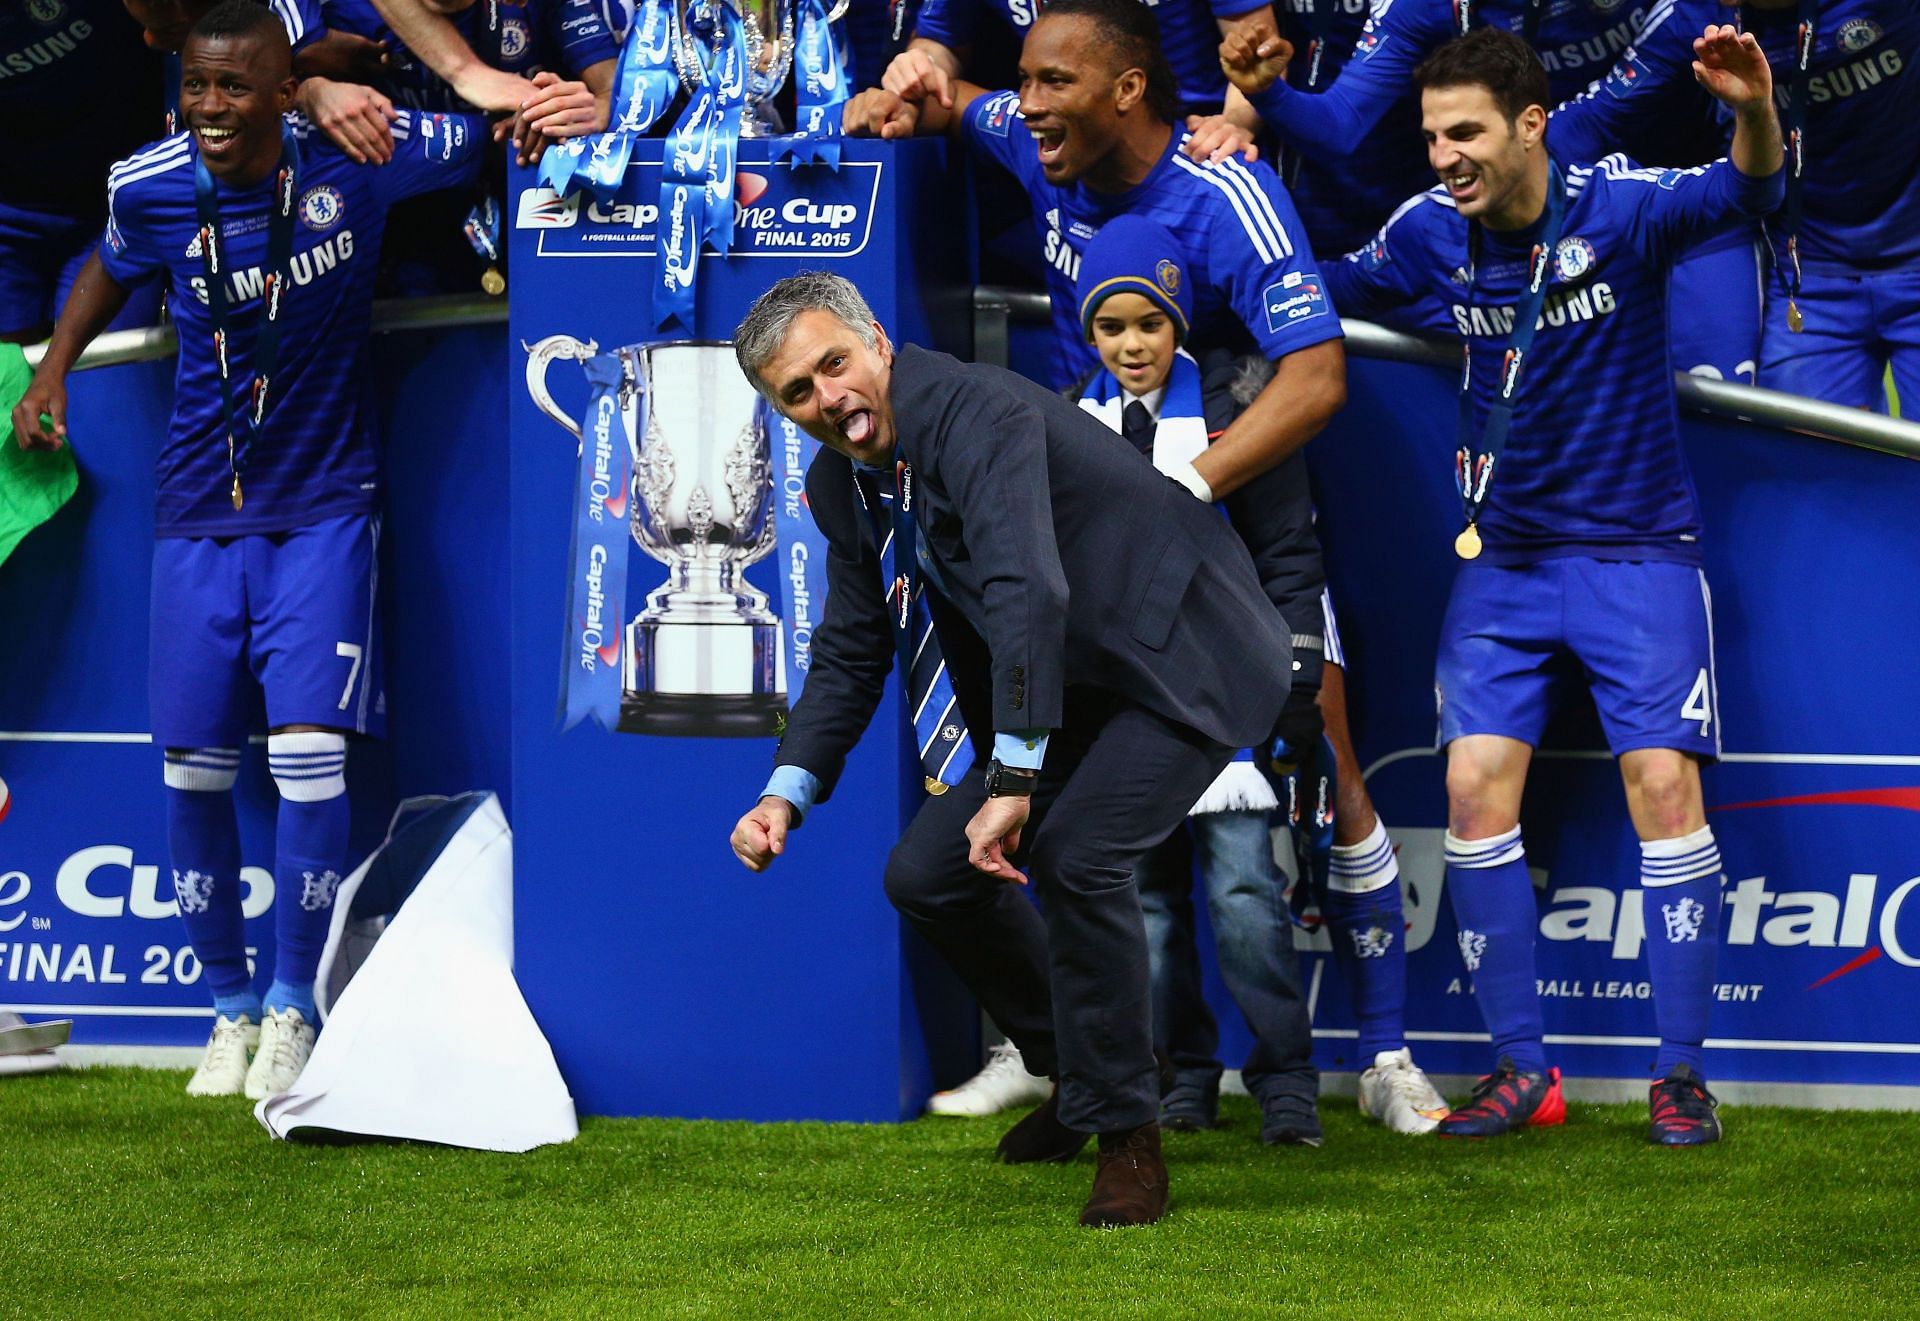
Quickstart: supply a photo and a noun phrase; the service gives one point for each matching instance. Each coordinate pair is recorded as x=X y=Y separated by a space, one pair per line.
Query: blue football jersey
x=315 y=455
x=1344 y=198
x=1255 y=280
x=63 y=134
x=1188 y=34
x=1862 y=160
x=1592 y=465
x=1577 y=41
x=565 y=36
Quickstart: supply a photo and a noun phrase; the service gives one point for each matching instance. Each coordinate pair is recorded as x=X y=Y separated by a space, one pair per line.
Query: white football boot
x=223 y=1069
x=1396 y=1093
x=286 y=1040
x=1004 y=1084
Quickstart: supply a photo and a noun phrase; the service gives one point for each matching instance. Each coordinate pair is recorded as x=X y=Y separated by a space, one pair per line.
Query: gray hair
x=764 y=328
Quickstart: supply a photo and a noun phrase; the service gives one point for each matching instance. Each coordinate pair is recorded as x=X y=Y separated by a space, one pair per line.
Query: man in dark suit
x=1105 y=633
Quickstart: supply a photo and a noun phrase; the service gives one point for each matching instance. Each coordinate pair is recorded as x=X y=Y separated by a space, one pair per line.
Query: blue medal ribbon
x=730 y=80
x=820 y=90
x=644 y=86
x=803 y=550
x=273 y=292
x=1473 y=469
x=590 y=678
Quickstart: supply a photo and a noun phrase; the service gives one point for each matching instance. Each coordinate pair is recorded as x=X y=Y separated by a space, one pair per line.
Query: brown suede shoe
x=1130 y=1187
x=1042 y=1137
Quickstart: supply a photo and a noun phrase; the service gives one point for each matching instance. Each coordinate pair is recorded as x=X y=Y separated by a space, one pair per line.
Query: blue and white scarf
x=1179 y=437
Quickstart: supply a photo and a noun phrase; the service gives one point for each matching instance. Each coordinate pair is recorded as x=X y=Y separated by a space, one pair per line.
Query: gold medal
x=1467 y=544
x=936 y=787
x=1795 y=322
x=492 y=282
x=236 y=494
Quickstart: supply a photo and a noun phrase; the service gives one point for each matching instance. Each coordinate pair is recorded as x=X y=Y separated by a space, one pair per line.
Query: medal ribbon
x=820 y=92
x=1318 y=19
x=596 y=596
x=644 y=86
x=1797 y=99
x=1473 y=470
x=945 y=749
x=1529 y=20
x=273 y=293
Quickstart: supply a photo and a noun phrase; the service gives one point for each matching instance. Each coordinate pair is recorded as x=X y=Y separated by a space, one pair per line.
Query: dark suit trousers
x=1070 y=989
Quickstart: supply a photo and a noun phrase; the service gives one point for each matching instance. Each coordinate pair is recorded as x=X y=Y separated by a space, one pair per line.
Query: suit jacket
x=1062 y=560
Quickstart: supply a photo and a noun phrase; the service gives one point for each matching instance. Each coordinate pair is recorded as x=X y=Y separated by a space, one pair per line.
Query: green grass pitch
x=122 y=1198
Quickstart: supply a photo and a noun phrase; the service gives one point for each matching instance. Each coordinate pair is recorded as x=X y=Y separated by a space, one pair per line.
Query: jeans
x=1253 y=936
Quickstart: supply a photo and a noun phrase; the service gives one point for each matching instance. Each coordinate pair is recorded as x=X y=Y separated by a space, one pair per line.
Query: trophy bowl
x=703 y=657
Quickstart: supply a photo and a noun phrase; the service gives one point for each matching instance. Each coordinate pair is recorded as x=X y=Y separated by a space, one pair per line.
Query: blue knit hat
x=1133 y=255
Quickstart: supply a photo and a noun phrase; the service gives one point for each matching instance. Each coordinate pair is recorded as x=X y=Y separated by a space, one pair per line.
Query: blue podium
x=671 y=980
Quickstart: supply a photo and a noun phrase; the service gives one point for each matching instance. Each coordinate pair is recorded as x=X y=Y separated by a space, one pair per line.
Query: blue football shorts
x=1639 y=634
x=292 y=612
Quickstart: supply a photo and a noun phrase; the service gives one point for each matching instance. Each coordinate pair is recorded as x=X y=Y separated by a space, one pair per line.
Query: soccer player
x=63 y=134
x=1843 y=293
x=267 y=517
x=1190 y=31
x=1090 y=135
x=1583 y=534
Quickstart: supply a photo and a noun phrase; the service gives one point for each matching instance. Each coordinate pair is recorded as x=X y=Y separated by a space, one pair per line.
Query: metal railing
x=995 y=309
x=152 y=343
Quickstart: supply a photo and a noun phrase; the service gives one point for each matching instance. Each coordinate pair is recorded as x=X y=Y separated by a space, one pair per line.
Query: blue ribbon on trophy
x=644 y=86
x=695 y=150
x=590 y=682
x=803 y=550
x=820 y=93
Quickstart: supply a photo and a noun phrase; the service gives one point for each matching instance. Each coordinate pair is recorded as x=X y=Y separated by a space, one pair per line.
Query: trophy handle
x=539 y=357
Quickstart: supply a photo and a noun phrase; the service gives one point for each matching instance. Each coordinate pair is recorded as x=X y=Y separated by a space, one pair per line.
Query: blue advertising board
x=88 y=921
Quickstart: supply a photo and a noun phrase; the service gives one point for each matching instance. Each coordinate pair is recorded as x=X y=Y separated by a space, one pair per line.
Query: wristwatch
x=1010 y=781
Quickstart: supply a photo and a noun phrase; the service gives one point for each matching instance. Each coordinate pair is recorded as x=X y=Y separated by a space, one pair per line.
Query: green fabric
x=33 y=484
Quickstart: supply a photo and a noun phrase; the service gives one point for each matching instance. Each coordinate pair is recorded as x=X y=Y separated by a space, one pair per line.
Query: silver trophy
x=768 y=27
x=704 y=657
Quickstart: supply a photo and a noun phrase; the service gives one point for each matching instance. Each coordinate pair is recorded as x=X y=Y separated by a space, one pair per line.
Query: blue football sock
x=1682 y=880
x=309 y=857
x=1494 y=906
x=203 y=847
x=1369 y=939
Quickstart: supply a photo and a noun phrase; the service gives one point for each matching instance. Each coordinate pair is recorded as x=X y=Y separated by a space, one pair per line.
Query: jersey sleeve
x=1387 y=273
x=577 y=31
x=430 y=152
x=1637 y=90
x=127 y=248
x=993 y=130
x=1242 y=8
x=302 y=20
x=952 y=23
x=1331 y=124
x=1258 y=255
x=1664 y=211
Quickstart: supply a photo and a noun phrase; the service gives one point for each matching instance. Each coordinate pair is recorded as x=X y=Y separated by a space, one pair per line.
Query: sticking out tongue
x=858 y=427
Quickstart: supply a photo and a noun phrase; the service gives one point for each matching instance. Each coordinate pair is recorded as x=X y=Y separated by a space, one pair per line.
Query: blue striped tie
x=946 y=752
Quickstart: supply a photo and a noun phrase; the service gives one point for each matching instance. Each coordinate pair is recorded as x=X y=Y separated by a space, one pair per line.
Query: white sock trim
x=1481 y=854
x=1364 y=867
x=1675 y=861
x=308 y=767
x=200 y=770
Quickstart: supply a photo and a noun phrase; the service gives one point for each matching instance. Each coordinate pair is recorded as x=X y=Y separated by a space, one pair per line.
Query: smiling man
x=268 y=492
x=1112 y=664
x=1582 y=535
